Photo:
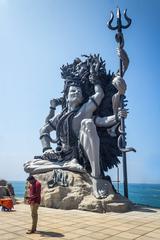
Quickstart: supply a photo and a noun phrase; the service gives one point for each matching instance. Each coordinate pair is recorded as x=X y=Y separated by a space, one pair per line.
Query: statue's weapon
x=122 y=138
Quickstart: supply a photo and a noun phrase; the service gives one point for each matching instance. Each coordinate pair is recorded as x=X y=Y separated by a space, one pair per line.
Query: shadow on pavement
x=50 y=234
x=141 y=208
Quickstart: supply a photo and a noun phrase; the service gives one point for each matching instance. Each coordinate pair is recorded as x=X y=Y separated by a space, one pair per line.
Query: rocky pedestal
x=62 y=189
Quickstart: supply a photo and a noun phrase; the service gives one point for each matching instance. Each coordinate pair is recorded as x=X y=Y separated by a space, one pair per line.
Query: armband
x=95 y=103
x=44 y=135
x=46 y=148
x=94 y=118
x=52 y=108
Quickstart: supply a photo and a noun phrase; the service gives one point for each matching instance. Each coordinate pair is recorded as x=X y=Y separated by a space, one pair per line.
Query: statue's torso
x=82 y=114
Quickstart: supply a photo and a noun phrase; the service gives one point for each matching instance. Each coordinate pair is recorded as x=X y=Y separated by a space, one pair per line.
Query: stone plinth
x=76 y=193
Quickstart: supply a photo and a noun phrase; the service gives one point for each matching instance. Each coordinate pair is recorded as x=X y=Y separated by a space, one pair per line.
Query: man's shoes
x=30 y=231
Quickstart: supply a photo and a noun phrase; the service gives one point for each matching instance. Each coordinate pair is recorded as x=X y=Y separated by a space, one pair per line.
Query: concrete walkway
x=142 y=224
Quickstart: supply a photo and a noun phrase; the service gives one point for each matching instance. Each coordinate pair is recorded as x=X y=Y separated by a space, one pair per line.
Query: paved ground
x=142 y=224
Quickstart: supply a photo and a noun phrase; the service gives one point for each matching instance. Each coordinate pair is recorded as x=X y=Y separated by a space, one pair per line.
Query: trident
x=122 y=138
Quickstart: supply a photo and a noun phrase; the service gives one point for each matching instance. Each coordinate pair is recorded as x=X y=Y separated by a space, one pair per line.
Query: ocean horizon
x=139 y=193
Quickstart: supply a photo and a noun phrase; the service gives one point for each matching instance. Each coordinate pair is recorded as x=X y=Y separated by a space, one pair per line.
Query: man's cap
x=30 y=178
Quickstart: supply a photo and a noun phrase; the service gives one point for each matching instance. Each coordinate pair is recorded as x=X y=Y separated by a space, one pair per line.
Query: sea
x=145 y=194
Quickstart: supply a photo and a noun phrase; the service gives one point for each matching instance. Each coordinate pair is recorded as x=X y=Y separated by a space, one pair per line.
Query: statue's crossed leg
x=90 y=142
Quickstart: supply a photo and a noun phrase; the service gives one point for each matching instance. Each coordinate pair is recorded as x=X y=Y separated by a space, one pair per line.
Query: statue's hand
x=119 y=84
x=93 y=78
x=94 y=69
x=122 y=113
x=54 y=103
x=49 y=154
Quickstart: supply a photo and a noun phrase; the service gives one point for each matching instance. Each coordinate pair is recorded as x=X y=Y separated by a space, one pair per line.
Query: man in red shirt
x=34 y=200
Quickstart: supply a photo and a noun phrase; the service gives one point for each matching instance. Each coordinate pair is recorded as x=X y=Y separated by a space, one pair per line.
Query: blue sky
x=37 y=37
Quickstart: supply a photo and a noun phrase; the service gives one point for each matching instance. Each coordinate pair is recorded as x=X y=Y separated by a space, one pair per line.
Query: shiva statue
x=87 y=128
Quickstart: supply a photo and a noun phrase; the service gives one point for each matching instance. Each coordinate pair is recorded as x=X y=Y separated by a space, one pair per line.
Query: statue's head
x=76 y=76
x=74 y=95
x=73 y=92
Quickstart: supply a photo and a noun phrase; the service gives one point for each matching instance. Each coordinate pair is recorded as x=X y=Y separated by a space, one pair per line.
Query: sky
x=38 y=36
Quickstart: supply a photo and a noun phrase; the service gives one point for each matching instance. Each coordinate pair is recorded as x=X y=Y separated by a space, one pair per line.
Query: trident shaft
x=122 y=138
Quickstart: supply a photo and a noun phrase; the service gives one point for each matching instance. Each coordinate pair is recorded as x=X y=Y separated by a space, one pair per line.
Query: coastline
x=143 y=194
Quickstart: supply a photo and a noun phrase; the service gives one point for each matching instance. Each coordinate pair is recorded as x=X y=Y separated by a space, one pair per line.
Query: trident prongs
x=110 y=22
x=119 y=26
x=129 y=20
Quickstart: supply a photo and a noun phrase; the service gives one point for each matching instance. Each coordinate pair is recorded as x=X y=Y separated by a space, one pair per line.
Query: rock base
x=77 y=194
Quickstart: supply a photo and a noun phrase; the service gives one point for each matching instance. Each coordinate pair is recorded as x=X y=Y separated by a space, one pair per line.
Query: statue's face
x=75 y=95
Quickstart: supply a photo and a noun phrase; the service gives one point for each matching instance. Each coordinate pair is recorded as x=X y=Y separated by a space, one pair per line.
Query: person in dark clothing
x=34 y=200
